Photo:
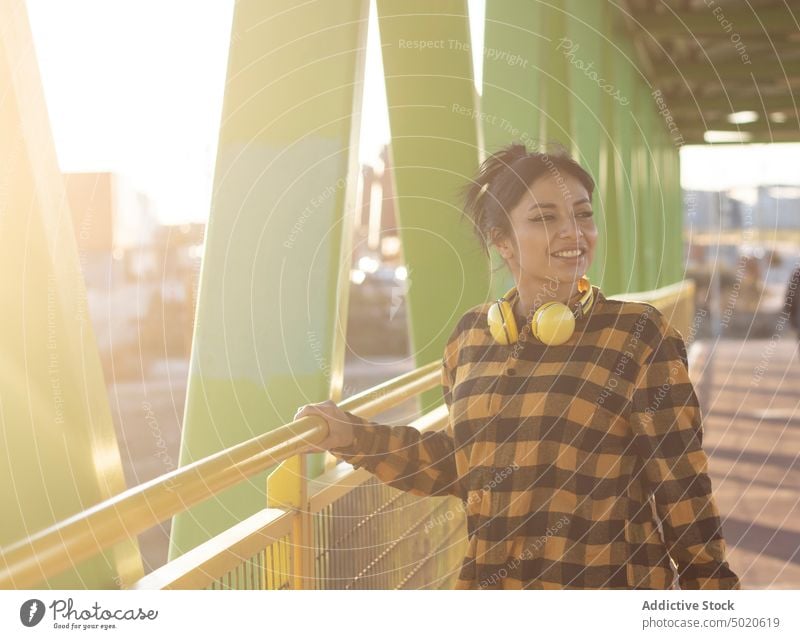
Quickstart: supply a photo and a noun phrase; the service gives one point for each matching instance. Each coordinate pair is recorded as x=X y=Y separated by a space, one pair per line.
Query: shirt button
x=511 y=371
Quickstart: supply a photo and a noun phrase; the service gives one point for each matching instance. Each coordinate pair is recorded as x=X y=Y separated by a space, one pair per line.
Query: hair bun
x=503 y=178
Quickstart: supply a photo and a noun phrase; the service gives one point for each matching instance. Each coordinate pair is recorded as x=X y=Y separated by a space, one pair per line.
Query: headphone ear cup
x=553 y=323
x=502 y=324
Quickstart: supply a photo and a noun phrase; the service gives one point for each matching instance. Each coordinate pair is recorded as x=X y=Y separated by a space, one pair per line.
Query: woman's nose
x=569 y=228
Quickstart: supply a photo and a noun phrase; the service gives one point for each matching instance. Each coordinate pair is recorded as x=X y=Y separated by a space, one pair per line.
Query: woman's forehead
x=562 y=187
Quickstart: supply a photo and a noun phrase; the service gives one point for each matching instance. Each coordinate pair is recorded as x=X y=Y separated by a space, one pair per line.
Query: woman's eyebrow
x=550 y=205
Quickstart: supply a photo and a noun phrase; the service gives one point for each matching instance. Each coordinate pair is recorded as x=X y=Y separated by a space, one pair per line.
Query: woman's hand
x=340 y=425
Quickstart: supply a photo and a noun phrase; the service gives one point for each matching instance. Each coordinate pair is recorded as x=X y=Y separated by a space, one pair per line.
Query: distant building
x=779 y=207
x=141 y=277
x=769 y=207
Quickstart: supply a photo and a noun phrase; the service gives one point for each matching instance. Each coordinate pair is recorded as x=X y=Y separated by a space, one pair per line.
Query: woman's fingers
x=322 y=410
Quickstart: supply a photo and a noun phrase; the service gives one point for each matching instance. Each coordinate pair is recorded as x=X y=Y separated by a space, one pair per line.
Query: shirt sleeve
x=667 y=428
x=402 y=456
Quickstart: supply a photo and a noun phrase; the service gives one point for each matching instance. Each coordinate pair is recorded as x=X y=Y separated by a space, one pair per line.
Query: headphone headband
x=580 y=309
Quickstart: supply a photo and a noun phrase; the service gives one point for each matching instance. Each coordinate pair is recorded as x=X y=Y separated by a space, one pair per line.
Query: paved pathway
x=750 y=395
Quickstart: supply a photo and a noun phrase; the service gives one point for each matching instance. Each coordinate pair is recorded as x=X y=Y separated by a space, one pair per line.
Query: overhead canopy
x=711 y=59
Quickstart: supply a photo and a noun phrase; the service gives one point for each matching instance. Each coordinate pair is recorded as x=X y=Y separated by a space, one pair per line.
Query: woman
x=559 y=432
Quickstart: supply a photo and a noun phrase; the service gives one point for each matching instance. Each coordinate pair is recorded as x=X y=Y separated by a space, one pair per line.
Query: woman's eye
x=586 y=213
x=542 y=218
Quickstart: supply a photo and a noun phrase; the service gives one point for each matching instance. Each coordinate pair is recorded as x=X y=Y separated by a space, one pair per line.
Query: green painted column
x=583 y=49
x=662 y=205
x=651 y=215
x=432 y=113
x=625 y=182
x=675 y=229
x=614 y=268
x=554 y=78
x=60 y=452
x=510 y=104
x=273 y=289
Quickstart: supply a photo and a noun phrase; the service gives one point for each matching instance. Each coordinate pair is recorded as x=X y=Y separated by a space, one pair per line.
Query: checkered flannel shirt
x=578 y=466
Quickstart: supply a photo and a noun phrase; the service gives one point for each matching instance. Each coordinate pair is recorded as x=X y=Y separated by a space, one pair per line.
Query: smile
x=569 y=254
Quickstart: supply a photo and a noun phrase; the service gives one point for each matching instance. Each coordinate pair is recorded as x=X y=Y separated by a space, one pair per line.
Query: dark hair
x=503 y=179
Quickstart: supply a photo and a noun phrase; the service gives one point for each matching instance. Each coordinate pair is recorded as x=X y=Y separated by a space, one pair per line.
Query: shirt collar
x=573 y=301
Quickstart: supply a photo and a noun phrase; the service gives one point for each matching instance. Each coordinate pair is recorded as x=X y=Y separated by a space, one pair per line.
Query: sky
x=135 y=87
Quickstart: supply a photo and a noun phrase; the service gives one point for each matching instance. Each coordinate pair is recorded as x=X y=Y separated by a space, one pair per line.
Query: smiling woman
x=596 y=436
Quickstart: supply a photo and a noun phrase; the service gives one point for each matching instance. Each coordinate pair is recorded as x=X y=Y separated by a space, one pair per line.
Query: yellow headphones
x=553 y=322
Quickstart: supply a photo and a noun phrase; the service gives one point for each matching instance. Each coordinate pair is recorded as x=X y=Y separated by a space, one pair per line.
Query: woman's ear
x=503 y=244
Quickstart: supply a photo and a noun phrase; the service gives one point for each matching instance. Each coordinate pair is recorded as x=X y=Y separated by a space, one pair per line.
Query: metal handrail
x=665 y=295
x=204 y=563
x=55 y=549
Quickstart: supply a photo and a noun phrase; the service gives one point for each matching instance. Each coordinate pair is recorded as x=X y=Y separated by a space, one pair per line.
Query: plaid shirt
x=565 y=457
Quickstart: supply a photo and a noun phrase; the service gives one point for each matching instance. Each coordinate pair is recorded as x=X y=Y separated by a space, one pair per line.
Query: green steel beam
x=510 y=105
x=60 y=448
x=717 y=22
x=555 y=97
x=434 y=150
x=623 y=140
x=269 y=328
x=649 y=217
x=582 y=48
x=613 y=268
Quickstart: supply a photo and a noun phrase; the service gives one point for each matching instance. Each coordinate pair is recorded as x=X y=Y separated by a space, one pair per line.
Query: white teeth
x=574 y=253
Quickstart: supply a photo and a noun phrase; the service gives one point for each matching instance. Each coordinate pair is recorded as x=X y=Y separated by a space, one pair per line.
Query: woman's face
x=554 y=215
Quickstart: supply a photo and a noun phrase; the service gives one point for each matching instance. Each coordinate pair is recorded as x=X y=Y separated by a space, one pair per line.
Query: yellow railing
x=675 y=301
x=31 y=561
x=343 y=529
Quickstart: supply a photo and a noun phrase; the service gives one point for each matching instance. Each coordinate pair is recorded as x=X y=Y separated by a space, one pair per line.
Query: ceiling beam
x=684 y=105
x=716 y=21
x=695 y=136
x=759 y=126
x=705 y=71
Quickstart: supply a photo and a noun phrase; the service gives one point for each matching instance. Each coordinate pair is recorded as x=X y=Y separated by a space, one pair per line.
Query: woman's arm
x=402 y=456
x=667 y=428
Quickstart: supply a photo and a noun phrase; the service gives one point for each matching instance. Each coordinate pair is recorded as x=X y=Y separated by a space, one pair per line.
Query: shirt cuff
x=363 y=444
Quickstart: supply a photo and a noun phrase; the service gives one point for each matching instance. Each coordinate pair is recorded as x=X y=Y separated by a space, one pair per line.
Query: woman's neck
x=531 y=295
